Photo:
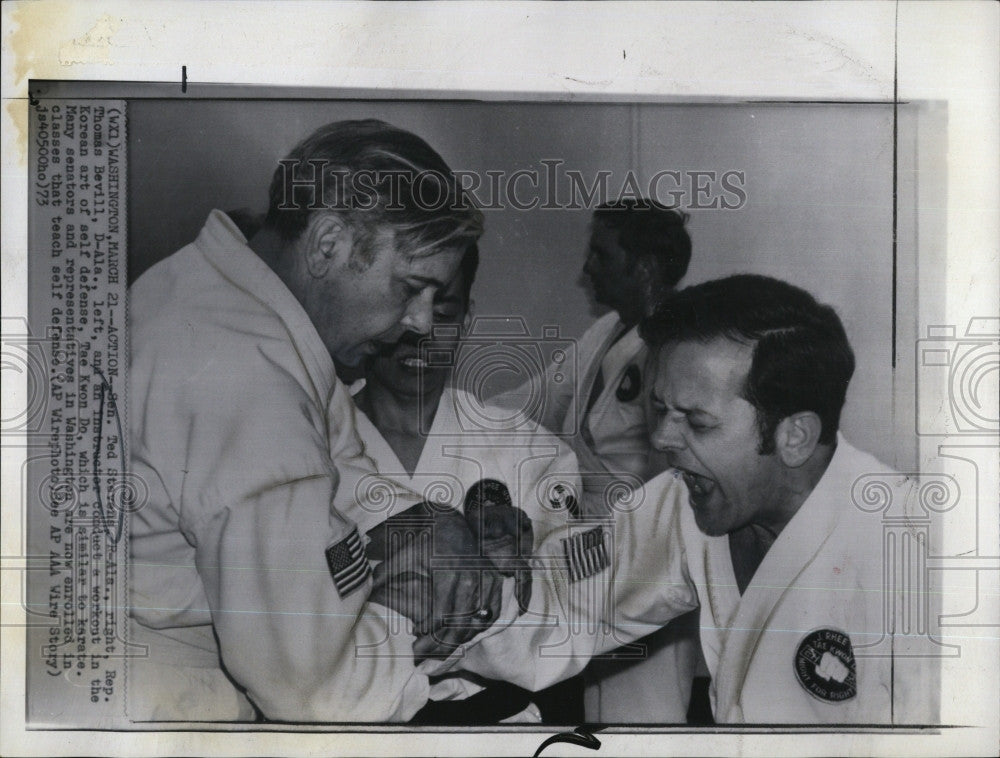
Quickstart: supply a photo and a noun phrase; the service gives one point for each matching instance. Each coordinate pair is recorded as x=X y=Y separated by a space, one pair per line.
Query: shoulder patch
x=348 y=564
x=630 y=386
x=825 y=666
x=586 y=553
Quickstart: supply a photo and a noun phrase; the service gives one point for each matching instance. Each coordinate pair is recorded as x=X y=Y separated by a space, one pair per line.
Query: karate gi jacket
x=817 y=637
x=614 y=428
x=458 y=453
x=247 y=581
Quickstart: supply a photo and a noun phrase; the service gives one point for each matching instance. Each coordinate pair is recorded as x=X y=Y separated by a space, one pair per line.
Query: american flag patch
x=586 y=553
x=348 y=564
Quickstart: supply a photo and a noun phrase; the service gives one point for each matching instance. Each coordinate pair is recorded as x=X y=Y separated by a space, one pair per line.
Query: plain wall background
x=818 y=181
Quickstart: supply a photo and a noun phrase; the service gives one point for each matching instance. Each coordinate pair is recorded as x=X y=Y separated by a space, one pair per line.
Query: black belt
x=498 y=701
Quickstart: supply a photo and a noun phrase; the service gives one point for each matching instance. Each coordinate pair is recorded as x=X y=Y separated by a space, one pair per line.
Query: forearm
x=303 y=642
x=582 y=605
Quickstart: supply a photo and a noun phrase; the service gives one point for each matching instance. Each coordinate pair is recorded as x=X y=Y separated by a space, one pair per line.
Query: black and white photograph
x=375 y=406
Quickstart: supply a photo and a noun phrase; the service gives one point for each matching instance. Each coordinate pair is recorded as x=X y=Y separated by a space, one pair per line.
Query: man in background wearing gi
x=249 y=585
x=638 y=251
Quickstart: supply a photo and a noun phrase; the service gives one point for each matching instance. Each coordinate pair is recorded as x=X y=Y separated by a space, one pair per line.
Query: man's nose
x=419 y=316
x=668 y=434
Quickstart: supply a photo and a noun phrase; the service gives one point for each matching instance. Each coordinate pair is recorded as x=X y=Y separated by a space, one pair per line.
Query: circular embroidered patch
x=824 y=665
x=630 y=386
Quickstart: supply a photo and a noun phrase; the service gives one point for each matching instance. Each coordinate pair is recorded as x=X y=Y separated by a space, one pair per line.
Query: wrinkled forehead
x=689 y=371
x=412 y=243
x=439 y=261
x=454 y=292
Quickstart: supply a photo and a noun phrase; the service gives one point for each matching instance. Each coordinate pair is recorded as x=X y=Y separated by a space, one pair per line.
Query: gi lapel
x=223 y=246
x=589 y=380
x=793 y=551
x=711 y=570
x=378 y=449
x=722 y=600
x=444 y=431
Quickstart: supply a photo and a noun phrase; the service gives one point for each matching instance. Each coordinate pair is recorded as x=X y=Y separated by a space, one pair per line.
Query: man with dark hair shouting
x=751 y=375
x=764 y=522
x=249 y=586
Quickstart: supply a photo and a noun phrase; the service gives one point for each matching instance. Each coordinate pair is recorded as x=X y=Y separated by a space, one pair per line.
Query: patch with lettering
x=348 y=564
x=586 y=553
x=630 y=386
x=825 y=667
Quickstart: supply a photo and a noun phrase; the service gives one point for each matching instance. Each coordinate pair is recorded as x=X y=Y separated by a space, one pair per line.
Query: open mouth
x=700 y=487
x=414 y=362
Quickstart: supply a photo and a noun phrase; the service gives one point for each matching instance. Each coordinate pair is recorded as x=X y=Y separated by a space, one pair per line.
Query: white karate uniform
x=237 y=419
x=578 y=582
x=807 y=643
x=614 y=430
x=652 y=689
x=457 y=454
x=824 y=574
x=613 y=436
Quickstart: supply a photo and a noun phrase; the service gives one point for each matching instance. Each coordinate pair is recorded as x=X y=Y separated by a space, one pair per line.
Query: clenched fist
x=432 y=571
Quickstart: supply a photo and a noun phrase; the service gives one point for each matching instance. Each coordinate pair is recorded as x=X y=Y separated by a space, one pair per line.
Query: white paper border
x=678 y=51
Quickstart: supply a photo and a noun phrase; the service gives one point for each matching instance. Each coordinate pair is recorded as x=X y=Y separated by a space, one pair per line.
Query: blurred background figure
x=637 y=253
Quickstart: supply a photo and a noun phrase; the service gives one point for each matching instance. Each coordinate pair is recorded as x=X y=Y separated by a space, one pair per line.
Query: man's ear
x=796 y=437
x=327 y=243
x=469 y=315
x=643 y=269
x=647 y=272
